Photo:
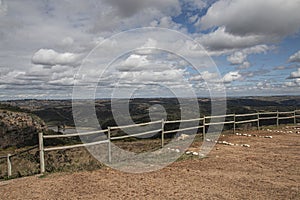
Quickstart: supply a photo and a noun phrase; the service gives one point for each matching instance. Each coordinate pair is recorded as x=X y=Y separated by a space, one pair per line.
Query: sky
x=48 y=47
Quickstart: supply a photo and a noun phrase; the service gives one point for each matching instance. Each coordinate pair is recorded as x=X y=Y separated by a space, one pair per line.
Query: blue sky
x=45 y=44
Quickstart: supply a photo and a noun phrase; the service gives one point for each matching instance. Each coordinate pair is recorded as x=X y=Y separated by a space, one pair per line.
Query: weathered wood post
x=258 y=124
x=277 y=122
x=234 y=125
x=295 y=119
x=109 y=144
x=9 y=165
x=42 y=156
x=162 y=133
x=203 y=127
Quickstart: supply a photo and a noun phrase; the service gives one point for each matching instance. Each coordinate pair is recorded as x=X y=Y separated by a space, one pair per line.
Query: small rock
x=269 y=137
x=195 y=153
x=245 y=145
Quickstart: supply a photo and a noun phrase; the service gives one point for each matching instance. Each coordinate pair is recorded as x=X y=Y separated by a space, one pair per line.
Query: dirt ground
x=268 y=169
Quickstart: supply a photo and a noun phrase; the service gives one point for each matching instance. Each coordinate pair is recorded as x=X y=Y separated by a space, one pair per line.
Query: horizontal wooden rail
x=74 y=135
x=134 y=125
x=266 y=118
x=183 y=129
x=290 y=112
x=219 y=116
x=219 y=123
x=247 y=121
x=245 y=115
x=75 y=146
x=290 y=117
x=184 y=120
x=135 y=135
x=268 y=113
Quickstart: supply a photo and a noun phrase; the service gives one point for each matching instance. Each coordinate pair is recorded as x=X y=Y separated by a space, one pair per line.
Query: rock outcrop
x=18 y=129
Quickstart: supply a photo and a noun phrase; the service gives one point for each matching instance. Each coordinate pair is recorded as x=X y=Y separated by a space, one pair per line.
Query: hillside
x=18 y=129
x=54 y=112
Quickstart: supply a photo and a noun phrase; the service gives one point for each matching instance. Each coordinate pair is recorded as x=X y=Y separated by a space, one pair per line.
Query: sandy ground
x=269 y=169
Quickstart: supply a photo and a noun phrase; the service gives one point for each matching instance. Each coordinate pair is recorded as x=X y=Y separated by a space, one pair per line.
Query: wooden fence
x=8 y=158
x=205 y=121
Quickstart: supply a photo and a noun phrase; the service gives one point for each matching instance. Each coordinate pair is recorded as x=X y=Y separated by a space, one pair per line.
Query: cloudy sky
x=45 y=44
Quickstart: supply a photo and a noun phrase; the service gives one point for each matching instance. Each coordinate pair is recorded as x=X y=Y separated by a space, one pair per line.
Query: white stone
x=195 y=153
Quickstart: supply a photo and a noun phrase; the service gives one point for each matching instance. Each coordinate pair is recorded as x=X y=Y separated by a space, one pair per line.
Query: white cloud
x=295 y=74
x=237 y=58
x=295 y=57
x=128 y=8
x=167 y=22
x=232 y=76
x=133 y=63
x=205 y=76
x=256 y=17
x=245 y=65
x=294 y=83
x=221 y=40
x=65 y=32
x=51 y=58
x=67 y=41
x=240 y=57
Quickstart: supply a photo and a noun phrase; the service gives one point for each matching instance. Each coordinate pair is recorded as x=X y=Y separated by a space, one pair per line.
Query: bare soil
x=268 y=169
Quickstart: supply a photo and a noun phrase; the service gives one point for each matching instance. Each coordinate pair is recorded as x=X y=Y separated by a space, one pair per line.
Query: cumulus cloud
x=221 y=40
x=231 y=76
x=295 y=74
x=240 y=57
x=295 y=83
x=65 y=32
x=50 y=57
x=295 y=57
x=133 y=63
x=205 y=76
x=128 y=8
x=167 y=22
x=237 y=58
x=256 y=17
x=244 y=65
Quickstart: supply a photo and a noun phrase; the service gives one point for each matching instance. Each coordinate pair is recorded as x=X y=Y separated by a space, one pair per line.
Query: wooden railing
x=205 y=121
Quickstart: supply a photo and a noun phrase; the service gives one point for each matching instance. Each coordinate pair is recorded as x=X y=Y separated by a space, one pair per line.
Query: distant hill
x=55 y=112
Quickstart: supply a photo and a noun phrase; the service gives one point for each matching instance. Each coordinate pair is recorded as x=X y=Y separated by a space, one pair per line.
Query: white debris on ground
x=226 y=143
x=174 y=150
x=193 y=153
x=183 y=137
x=245 y=145
x=287 y=129
x=268 y=137
x=249 y=135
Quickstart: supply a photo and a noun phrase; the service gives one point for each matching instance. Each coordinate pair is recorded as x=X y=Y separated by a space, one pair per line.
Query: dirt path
x=269 y=169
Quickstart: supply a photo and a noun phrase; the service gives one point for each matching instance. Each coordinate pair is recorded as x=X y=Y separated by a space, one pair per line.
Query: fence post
x=109 y=145
x=295 y=119
x=234 y=127
x=42 y=156
x=203 y=127
x=162 y=133
x=258 y=124
x=9 y=165
x=277 y=122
